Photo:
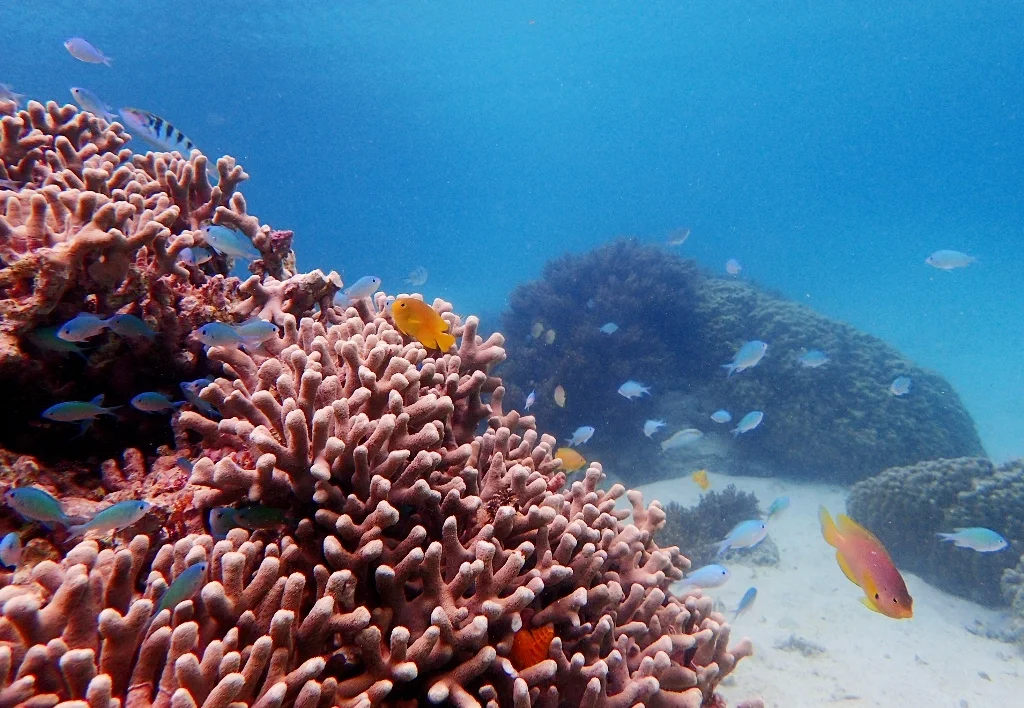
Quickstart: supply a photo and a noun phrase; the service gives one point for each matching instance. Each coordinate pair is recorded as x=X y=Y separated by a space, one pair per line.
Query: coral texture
x=677 y=327
x=906 y=506
x=85 y=225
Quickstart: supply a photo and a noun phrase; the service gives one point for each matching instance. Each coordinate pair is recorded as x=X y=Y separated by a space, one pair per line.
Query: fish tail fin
x=76 y=531
x=445 y=341
x=720 y=548
x=828 y=527
x=947 y=536
x=735 y=432
x=731 y=368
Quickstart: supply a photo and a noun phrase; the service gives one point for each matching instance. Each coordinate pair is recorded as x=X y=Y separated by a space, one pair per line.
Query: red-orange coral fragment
x=530 y=646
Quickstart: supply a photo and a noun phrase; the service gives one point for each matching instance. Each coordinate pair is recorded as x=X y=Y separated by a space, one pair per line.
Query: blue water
x=829 y=146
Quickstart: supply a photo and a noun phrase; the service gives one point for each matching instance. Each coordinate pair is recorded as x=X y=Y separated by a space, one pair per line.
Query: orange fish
x=701 y=478
x=864 y=560
x=530 y=646
x=571 y=460
x=560 y=396
x=418 y=320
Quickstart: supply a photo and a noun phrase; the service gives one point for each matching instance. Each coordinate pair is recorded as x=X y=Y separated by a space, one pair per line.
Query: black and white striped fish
x=159 y=133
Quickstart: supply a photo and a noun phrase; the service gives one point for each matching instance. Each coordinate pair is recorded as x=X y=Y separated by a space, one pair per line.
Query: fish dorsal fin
x=828 y=528
x=97 y=400
x=847 y=570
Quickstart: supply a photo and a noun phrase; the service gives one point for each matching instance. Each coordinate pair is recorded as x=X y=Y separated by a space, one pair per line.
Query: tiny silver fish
x=88 y=101
x=681 y=438
x=82 y=50
x=949 y=260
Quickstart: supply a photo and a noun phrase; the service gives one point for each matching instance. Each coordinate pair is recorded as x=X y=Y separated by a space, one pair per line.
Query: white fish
x=582 y=435
x=652 y=426
x=745 y=534
x=634 y=389
x=10 y=550
x=681 y=438
x=813 y=359
x=364 y=287
x=609 y=328
x=530 y=400
x=82 y=327
x=721 y=416
x=976 y=538
x=82 y=50
x=88 y=101
x=748 y=422
x=417 y=277
x=749 y=355
x=900 y=386
x=710 y=576
x=229 y=242
x=733 y=267
x=949 y=260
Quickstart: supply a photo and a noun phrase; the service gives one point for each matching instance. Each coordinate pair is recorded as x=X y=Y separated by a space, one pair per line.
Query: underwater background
x=829 y=146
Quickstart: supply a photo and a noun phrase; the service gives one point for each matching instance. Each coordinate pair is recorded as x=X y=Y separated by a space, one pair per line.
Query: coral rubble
x=677 y=326
x=907 y=506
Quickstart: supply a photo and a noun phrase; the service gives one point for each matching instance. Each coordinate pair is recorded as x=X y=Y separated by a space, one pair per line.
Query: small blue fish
x=191 y=391
x=746 y=602
x=709 y=576
x=634 y=389
x=88 y=101
x=112 y=518
x=364 y=287
x=652 y=426
x=222 y=520
x=900 y=386
x=778 y=506
x=949 y=260
x=749 y=355
x=813 y=359
x=229 y=242
x=609 y=328
x=46 y=338
x=82 y=327
x=581 y=435
x=194 y=256
x=218 y=334
x=257 y=331
x=745 y=534
x=183 y=464
x=530 y=400
x=130 y=327
x=82 y=50
x=37 y=505
x=183 y=588
x=153 y=402
x=977 y=539
x=78 y=411
x=10 y=550
x=748 y=422
x=721 y=416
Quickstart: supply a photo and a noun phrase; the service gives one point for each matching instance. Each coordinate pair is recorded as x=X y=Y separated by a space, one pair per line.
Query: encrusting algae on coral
x=423 y=526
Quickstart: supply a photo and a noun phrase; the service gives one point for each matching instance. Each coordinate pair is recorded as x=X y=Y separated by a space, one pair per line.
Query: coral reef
x=86 y=226
x=906 y=506
x=695 y=529
x=676 y=327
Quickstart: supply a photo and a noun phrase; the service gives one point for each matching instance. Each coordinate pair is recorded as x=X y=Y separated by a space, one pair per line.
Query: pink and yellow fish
x=864 y=560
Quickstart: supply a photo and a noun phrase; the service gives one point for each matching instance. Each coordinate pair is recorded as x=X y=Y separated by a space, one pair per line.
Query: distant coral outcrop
x=676 y=326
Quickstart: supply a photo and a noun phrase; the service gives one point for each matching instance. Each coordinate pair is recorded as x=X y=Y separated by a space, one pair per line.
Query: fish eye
x=876 y=595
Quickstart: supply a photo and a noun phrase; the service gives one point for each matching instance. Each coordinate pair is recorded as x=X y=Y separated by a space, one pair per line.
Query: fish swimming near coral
x=229 y=242
x=746 y=602
x=748 y=422
x=949 y=260
x=221 y=334
x=257 y=331
x=678 y=238
x=530 y=400
x=10 y=550
x=976 y=538
x=46 y=338
x=708 y=576
x=559 y=396
x=183 y=588
x=721 y=416
x=652 y=426
x=748 y=356
x=82 y=327
x=530 y=646
x=222 y=520
x=536 y=330
x=865 y=562
x=609 y=328
x=581 y=435
x=634 y=389
x=113 y=518
x=156 y=131
x=364 y=287
x=733 y=267
x=130 y=327
x=78 y=411
x=38 y=505
x=700 y=478
x=900 y=386
x=418 y=276
x=681 y=438
x=549 y=336
x=84 y=51
x=745 y=534
x=154 y=402
x=778 y=506
x=571 y=460
x=415 y=318
x=812 y=359
x=88 y=101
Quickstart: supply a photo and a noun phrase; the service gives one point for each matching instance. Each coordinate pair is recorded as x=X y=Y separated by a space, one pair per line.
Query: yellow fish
x=865 y=562
x=560 y=396
x=701 y=478
x=418 y=320
x=571 y=460
x=549 y=338
x=537 y=330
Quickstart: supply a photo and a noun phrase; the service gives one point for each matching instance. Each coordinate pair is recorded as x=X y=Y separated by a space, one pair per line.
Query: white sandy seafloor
x=930 y=660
